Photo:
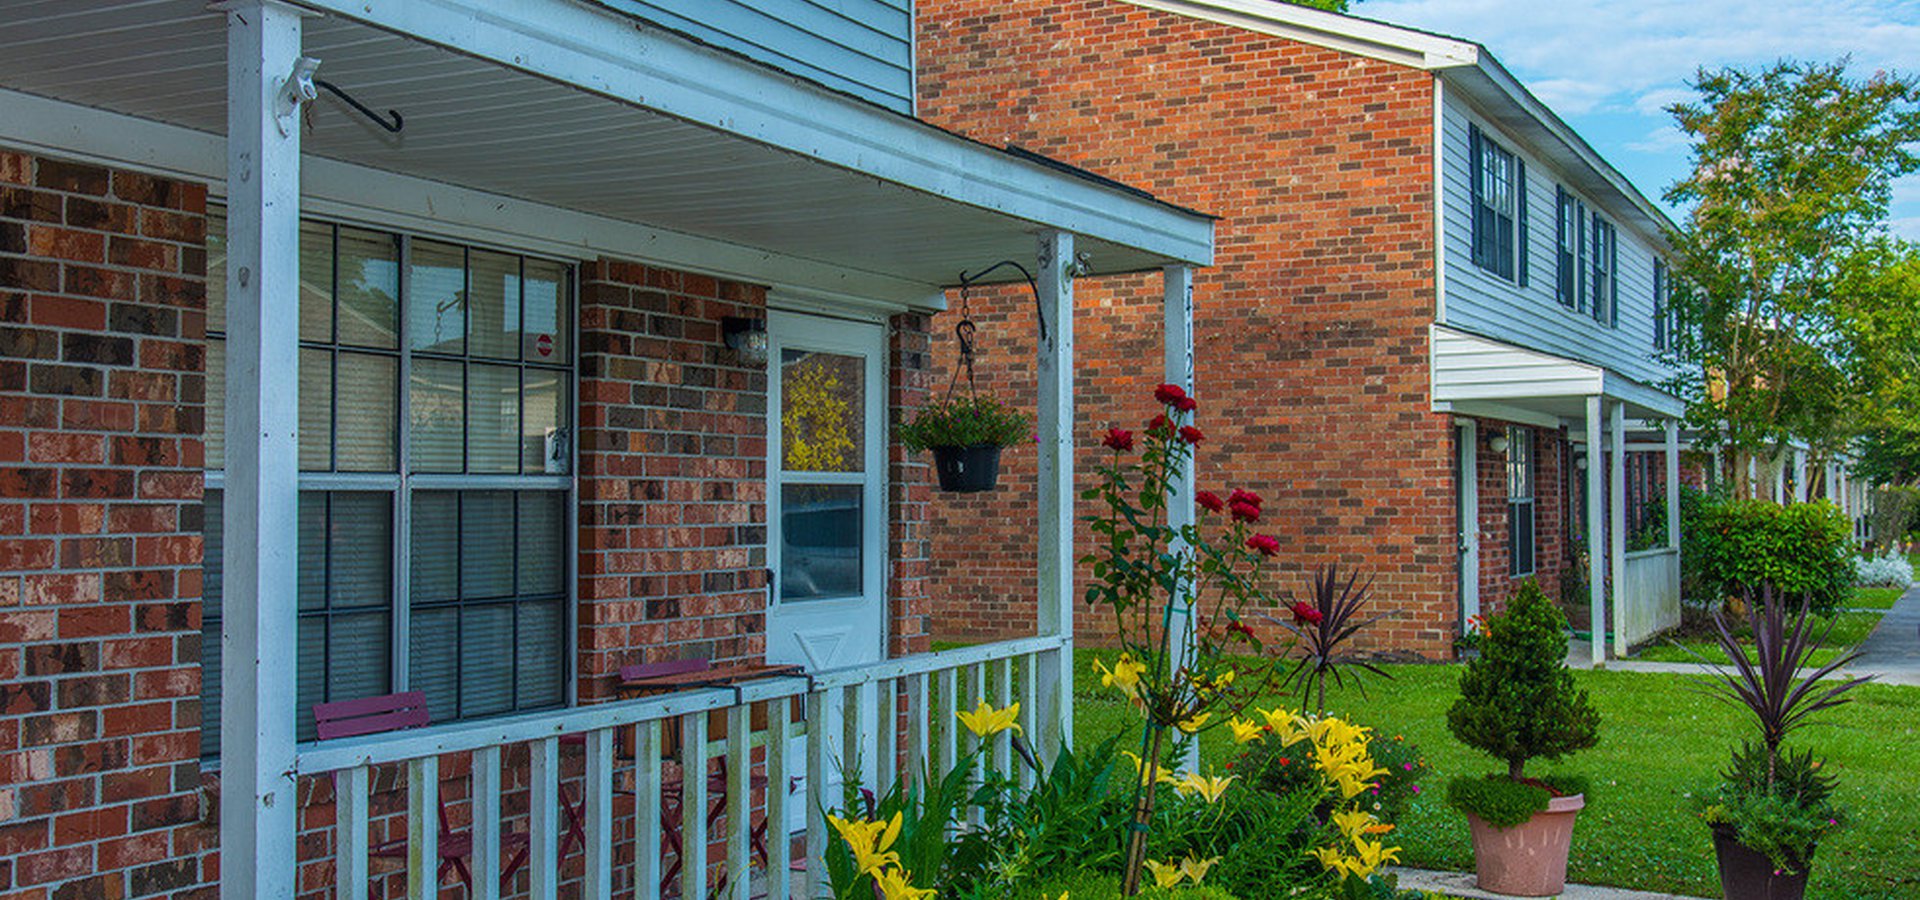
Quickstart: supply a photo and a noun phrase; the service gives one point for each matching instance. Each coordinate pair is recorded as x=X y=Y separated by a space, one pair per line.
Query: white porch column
x=1617 y=524
x=1054 y=672
x=1177 y=368
x=1799 y=475
x=258 y=801
x=1673 y=494
x=1596 y=531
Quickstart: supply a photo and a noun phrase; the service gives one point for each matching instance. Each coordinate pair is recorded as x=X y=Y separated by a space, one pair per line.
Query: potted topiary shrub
x=965 y=435
x=1773 y=805
x=1518 y=702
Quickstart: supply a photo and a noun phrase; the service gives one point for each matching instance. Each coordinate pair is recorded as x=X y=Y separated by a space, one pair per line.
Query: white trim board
x=374 y=196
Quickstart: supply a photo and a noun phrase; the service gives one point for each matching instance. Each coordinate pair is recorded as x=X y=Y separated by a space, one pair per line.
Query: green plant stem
x=1138 y=829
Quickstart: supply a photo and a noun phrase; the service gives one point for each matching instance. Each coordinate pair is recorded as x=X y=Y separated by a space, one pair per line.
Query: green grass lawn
x=1849 y=629
x=1875 y=597
x=1659 y=741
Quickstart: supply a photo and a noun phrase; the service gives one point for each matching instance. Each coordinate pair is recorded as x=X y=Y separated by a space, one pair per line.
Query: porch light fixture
x=1499 y=443
x=747 y=338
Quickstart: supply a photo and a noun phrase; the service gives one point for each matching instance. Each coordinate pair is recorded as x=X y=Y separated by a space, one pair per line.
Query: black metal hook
x=967 y=281
x=392 y=127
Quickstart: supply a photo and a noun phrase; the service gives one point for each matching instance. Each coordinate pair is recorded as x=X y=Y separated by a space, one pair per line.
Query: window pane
x=310 y=682
x=494 y=317
x=216 y=271
x=436 y=414
x=433 y=665
x=822 y=410
x=360 y=529
x=358 y=661
x=486 y=544
x=316 y=409
x=210 y=692
x=215 y=435
x=212 y=540
x=437 y=304
x=493 y=418
x=544 y=446
x=542 y=542
x=316 y=282
x=486 y=659
x=312 y=567
x=540 y=650
x=435 y=553
x=369 y=417
x=369 y=288
x=820 y=541
x=546 y=313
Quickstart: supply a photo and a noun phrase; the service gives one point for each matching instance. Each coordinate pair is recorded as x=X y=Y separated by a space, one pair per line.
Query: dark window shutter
x=1659 y=304
x=1562 y=259
x=1520 y=214
x=1476 y=171
x=1613 y=276
x=1580 y=243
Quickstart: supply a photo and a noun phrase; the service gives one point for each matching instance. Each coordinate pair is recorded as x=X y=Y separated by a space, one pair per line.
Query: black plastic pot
x=967 y=470
x=1747 y=874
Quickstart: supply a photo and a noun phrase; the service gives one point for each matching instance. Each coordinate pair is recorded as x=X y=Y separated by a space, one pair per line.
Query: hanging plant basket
x=967 y=470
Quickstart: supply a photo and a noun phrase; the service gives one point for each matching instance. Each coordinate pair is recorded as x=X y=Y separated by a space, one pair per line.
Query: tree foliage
x=1798 y=311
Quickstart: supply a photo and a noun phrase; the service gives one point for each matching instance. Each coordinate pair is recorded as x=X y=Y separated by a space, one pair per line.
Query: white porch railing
x=917 y=695
x=1649 y=595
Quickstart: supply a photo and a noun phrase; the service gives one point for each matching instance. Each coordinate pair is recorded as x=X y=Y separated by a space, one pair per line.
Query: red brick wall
x=1311 y=329
x=102 y=316
x=673 y=450
x=1497 y=581
x=909 y=489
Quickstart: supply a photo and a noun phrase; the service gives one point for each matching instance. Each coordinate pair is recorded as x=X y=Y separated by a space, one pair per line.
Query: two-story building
x=1434 y=315
x=428 y=362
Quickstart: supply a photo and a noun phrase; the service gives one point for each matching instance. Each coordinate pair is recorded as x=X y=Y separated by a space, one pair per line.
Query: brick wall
x=102 y=297
x=910 y=489
x=1550 y=560
x=1311 y=336
x=673 y=450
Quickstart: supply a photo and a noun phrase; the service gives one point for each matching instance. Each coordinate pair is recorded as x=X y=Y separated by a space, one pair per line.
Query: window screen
x=469 y=604
x=1520 y=501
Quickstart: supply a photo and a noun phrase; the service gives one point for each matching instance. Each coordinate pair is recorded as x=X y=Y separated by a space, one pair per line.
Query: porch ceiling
x=506 y=130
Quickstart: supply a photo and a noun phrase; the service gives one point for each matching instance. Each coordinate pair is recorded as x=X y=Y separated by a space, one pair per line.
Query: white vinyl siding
x=862 y=47
x=1532 y=315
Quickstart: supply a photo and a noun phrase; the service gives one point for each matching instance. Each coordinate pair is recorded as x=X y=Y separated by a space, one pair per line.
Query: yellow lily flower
x=871 y=841
x=1140 y=767
x=1196 y=869
x=1332 y=730
x=1245 y=731
x=1371 y=855
x=1330 y=858
x=1286 y=724
x=1208 y=786
x=1124 y=675
x=894 y=886
x=1165 y=875
x=985 y=721
x=1353 y=821
x=1194 y=723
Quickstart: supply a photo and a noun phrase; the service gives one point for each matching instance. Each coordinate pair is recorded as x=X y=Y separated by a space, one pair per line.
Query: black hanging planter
x=967 y=470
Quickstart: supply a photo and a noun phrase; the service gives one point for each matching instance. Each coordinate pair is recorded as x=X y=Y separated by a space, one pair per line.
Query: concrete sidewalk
x=1461 y=884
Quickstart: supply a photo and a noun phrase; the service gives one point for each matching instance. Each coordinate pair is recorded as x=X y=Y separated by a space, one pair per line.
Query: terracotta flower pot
x=1747 y=874
x=967 y=470
x=1529 y=859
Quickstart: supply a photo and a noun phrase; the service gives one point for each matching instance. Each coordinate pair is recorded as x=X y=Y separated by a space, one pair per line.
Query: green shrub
x=1278 y=769
x=1518 y=700
x=1094 y=886
x=1735 y=547
x=1782 y=810
x=1503 y=802
x=964 y=422
x=1895 y=511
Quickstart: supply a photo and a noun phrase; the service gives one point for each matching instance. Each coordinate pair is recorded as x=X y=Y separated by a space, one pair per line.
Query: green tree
x=1518 y=701
x=1788 y=289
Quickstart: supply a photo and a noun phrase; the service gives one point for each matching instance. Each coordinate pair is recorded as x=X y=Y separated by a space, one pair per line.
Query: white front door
x=827 y=513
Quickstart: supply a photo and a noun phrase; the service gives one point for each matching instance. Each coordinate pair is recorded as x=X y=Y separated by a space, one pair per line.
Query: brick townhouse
x=1430 y=298
x=297 y=406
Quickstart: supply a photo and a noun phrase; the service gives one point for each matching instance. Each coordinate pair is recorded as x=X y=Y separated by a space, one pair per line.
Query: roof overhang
x=1478 y=376
x=560 y=105
x=1466 y=67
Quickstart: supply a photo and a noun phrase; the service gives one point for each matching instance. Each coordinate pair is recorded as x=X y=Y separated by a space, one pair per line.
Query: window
x=1605 y=265
x=1663 y=333
x=1570 y=250
x=436 y=401
x=1520 y=501
x=1499 y=184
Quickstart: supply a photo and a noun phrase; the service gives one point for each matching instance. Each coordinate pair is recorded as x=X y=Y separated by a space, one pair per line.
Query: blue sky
x=1609 y=67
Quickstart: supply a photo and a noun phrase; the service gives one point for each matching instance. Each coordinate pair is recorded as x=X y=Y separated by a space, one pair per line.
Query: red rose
x=1210 y=501
x=1191 y=434
x=1119 y=439
x=1305 y=613
x=1241 y=627
x=1265 y=544
x=1159 y=424
x=1186 y=404
x=1170 y=394
x=1248 y=497
x=1244 y=512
